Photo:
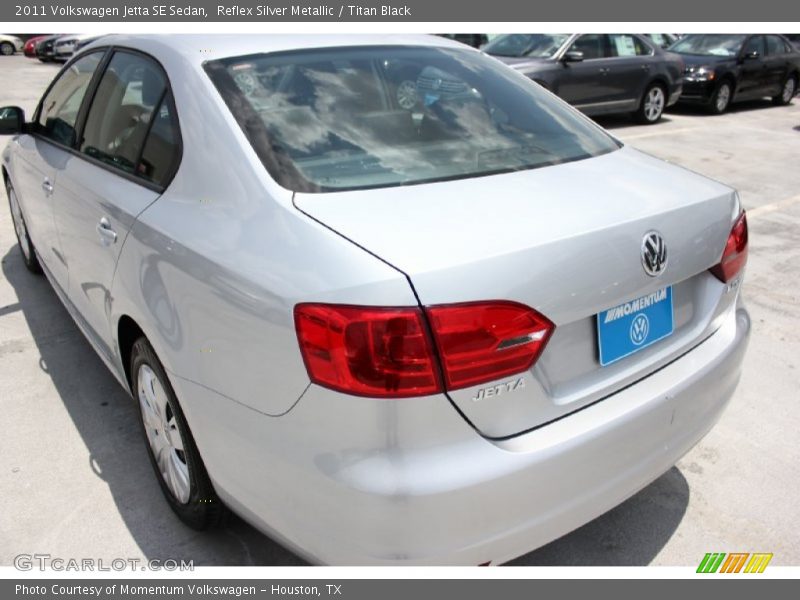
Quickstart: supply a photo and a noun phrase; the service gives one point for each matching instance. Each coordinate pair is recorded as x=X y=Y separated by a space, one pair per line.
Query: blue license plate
x=634 y=325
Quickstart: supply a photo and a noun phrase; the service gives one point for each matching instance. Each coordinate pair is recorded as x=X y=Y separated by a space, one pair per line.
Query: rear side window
x=122 y=111
x=161 y=152
x=59 y=111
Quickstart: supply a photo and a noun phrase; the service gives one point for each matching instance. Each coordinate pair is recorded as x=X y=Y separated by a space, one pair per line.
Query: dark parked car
x=597 y=73
x=725 y=68
x=45 y=48
x=476 y=40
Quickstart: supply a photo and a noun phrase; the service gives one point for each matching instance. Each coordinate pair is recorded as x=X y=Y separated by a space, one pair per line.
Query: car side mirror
x=12 y=120
x=573 y=56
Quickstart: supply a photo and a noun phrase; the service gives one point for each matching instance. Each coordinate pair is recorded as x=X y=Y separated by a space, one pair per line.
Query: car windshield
x=534 y=45
x=350 y=118
x=709 y=45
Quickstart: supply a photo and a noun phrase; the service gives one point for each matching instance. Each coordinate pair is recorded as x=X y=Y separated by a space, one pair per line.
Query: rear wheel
x=721 y=98
x=20 y=228
x=173 y=453
x=652 y=105
x=7 y=48
x=787 y=93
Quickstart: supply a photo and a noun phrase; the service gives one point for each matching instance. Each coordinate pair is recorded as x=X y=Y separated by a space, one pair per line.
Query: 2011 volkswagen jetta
x=384 y=297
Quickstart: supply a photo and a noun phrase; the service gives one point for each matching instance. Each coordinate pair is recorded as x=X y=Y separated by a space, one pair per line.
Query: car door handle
x=604 y=70
x=47 y=186
x=645 y=67
x=107 y=235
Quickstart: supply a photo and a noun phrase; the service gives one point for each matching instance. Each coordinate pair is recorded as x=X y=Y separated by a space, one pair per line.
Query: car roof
x=199 y=48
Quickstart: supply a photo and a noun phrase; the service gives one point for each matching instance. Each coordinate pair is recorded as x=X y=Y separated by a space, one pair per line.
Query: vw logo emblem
x=639 y=329
x=654 y=254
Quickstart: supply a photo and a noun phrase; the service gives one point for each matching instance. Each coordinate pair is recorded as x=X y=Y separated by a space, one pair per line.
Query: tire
x=7 y=49
x=652 y=106
x=173 y=454
x=721 y=99
x=24 y=242
x=787 y=92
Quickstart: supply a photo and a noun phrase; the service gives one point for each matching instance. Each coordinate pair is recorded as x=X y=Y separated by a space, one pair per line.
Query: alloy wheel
x=654 y=104
x=788 y=90
x=19 y=225
x=723 y=97
x=163 y=434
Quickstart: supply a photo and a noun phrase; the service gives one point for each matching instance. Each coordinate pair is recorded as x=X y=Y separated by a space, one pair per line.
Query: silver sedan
x=383 y=297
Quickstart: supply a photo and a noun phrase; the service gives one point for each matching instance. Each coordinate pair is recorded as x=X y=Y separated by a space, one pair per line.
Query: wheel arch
x=128 y=331
x=659 y=79
x=730 y=78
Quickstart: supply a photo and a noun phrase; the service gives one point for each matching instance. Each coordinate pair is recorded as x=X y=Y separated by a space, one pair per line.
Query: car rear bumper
x=347 y=480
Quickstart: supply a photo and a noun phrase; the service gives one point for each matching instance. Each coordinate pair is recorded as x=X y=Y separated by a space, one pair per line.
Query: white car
x=10 y=44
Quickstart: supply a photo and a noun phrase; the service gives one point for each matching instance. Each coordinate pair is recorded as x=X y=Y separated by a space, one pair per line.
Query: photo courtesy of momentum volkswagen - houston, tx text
x=382 y=296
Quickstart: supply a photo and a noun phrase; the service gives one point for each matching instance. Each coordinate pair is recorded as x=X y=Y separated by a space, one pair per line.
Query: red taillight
x=367 y=351
x=387 y=352
x=484 y=341
x=734 y=256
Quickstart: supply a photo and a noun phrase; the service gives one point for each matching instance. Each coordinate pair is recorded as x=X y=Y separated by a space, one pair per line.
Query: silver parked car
x=10 y=44
x=444 y=321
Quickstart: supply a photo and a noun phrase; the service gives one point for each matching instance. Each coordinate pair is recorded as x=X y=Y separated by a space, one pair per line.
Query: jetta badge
x=654 y=254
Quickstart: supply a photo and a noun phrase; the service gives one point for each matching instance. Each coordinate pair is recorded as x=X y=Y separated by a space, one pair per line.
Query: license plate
x=634 y=325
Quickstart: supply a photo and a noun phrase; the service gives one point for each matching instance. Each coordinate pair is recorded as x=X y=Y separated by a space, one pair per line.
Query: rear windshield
x=350 y=118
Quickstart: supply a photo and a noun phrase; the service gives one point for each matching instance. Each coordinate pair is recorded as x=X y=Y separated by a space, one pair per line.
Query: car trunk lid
x=565 y=240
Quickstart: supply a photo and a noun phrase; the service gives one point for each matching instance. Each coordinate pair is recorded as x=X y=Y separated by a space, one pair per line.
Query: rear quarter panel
x=212 y=270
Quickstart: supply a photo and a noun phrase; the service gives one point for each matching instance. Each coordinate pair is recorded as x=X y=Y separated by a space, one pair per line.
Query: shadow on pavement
x=612 y=122
x=691 y=110
x=632 y=534
x=107 y=421
x=106 y=418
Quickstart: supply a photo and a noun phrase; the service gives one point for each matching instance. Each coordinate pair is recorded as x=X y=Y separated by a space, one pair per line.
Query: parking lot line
x=772 y=207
